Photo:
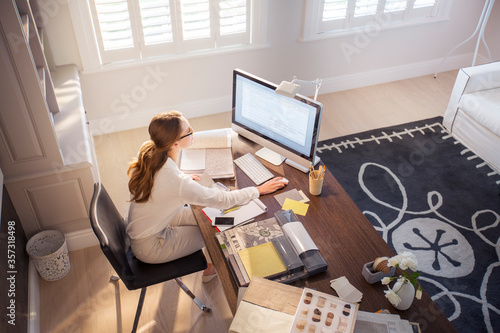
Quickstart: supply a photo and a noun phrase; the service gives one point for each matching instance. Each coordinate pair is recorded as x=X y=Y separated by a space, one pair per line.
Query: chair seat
x=484 y=107
x=149 y=274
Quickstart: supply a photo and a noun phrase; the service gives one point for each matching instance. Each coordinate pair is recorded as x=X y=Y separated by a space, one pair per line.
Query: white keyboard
x=257 y=172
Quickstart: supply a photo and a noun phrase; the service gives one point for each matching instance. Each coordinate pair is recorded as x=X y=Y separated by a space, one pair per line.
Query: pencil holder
x=315 y=182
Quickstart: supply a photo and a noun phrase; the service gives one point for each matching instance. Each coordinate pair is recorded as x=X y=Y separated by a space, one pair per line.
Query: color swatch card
x=346 y=290
x=319 y=312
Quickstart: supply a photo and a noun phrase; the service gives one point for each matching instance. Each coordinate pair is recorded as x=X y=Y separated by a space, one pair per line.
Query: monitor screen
x=287 y=126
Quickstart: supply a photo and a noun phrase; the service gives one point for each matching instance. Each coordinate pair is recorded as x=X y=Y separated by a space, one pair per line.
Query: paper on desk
x=193 y=159
x=297 y=206
x=291 y=194
x=346 y=290
x=246 y=212
x=251 y=318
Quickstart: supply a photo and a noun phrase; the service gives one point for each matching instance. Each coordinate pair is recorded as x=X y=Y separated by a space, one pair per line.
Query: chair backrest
x=109 y=227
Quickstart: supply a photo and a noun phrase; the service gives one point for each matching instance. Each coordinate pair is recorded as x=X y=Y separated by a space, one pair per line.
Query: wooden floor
x=85 y=300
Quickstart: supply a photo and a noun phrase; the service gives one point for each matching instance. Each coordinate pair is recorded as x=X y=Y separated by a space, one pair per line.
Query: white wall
x=127 y=98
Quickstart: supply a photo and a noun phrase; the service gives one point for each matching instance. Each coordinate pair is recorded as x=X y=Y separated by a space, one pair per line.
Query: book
x=210 y=153
x=252 y=234
x=300 y=255
x=262 y=260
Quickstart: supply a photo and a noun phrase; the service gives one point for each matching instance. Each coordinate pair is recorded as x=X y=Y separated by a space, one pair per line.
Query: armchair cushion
x=473 y=113
x=484 y=107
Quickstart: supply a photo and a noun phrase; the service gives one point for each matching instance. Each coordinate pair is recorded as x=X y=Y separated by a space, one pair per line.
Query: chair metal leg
x=203 y=307
x=139 y=309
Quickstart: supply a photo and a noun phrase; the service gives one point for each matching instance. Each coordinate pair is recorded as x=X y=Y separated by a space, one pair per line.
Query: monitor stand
x=276 y=159
x=300 y=167
x=270 y=156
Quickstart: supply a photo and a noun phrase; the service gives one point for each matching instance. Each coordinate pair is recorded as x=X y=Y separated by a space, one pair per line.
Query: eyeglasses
x=190 y=132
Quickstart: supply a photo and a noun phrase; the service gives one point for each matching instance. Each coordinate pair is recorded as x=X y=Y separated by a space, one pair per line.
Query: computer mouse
x=284 y=180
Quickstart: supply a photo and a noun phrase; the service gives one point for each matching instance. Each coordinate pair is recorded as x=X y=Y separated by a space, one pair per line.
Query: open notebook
x=210 y=153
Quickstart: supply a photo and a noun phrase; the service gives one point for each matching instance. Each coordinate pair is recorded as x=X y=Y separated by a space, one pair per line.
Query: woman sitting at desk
x=162 y=226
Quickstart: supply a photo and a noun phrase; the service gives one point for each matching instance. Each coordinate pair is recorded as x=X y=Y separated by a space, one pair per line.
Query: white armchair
x=473 y=113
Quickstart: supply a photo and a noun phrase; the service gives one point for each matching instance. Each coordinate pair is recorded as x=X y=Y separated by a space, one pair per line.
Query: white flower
x=386 y=280
x=418 y=295
x=401 y=280
x=393 y=261
x=408 y=260
x=392 y=296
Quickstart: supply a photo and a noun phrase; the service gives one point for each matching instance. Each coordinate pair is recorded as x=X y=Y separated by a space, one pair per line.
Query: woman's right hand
x=271 y=185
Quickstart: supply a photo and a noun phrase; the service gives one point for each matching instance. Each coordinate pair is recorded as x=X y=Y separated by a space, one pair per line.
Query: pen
x=231 y=209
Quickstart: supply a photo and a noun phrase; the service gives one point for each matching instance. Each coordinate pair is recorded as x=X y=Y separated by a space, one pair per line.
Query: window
x=326 y=18
x=141 y=29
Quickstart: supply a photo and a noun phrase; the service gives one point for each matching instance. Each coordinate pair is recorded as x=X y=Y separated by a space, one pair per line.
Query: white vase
x=406 y=292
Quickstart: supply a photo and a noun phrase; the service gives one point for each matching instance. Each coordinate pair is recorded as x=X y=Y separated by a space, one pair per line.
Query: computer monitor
x=287 y=127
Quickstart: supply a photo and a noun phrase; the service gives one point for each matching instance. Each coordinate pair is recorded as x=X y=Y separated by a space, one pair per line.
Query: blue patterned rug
x=426 y=193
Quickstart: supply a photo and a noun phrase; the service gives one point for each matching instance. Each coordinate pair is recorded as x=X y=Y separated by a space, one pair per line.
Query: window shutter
x=137 y=29
x=115 y=35
x=365 y=7
x=195 y=31
x=334 y=15
x=232 y=23
x=156 y=21
x=423 y=9
x=157 y=27
x=338 y=15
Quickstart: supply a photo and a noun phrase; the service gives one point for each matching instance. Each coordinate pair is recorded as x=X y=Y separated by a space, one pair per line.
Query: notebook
x=262 y=260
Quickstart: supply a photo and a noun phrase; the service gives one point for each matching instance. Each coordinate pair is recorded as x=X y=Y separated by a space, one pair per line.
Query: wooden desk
x=346 y=239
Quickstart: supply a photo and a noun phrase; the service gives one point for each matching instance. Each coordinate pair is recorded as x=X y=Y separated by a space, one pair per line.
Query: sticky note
x=297 y=207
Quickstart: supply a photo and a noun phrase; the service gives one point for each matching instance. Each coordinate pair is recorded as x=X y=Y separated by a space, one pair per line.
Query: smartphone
x=224 y=220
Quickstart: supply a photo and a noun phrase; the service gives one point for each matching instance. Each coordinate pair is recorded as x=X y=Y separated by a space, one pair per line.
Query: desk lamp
x=290 y=89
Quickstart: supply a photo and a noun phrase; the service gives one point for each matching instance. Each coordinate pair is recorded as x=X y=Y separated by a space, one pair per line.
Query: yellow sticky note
x=296 y=206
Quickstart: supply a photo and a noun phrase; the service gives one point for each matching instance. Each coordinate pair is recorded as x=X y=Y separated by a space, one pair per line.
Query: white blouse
x=171 y=191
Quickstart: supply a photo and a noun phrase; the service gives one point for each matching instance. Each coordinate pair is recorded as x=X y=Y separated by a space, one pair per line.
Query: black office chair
x=109 y=227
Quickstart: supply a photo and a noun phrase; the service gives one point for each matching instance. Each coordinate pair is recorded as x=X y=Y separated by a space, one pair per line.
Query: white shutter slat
x=232 y=22
x=365 y=7
x=334 y=10
x=114 y=24
x=395 y=5
x=156 y=21
x=195 y=19
x=233 y=16
x=424 y=3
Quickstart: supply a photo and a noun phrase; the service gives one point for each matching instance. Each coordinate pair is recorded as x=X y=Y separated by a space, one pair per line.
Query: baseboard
x=81 y=239
x=33 y=299
x=123 y=122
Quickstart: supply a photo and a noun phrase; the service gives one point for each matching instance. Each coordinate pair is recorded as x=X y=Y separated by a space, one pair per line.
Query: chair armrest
x=482 y=77
x=469 y=80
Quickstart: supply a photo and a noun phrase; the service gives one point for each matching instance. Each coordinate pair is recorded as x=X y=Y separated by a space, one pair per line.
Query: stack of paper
x=346 y=290
x=368 y=322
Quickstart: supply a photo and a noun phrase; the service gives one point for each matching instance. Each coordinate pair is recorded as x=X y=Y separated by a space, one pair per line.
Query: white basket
x=49 y=254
